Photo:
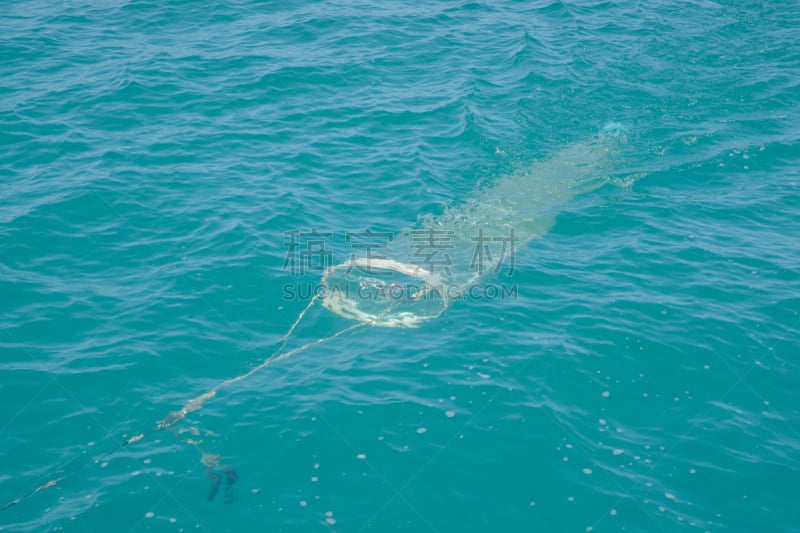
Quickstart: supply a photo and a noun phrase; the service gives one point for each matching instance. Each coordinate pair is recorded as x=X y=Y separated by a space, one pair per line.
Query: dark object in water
x=215 y=474
x=230 y=478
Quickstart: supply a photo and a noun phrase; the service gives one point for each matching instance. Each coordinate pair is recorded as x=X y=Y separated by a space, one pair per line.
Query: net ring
x=356 y=290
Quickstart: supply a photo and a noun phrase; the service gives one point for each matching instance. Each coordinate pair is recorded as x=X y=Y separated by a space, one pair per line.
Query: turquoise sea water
x=156 y=156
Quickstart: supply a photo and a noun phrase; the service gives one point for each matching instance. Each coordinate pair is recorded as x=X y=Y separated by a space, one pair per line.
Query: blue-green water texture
x=176 y=176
